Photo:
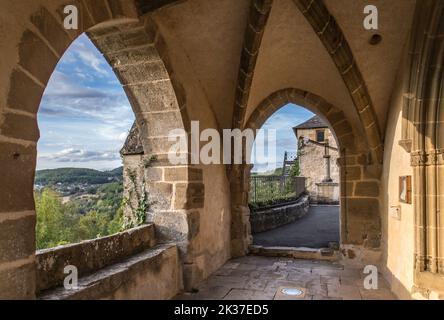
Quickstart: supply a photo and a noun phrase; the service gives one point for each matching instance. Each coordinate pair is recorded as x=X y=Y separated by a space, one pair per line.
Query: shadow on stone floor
x=259 y=278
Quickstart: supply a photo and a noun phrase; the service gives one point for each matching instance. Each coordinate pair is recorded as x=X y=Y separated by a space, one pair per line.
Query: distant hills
x=77 y=176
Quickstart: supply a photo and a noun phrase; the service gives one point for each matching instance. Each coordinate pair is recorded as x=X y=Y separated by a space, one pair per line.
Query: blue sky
x=84 y=114
x=283 y=122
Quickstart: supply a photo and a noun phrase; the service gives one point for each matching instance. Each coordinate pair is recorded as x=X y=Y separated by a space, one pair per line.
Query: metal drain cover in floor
x=290 y=293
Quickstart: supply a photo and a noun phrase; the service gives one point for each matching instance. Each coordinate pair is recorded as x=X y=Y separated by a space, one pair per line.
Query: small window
x=320 y=135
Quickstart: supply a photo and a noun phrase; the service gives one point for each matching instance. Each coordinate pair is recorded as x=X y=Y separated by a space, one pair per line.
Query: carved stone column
x=423 y=136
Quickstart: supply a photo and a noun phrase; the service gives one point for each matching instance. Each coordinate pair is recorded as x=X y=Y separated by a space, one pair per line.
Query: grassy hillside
x=77 y=176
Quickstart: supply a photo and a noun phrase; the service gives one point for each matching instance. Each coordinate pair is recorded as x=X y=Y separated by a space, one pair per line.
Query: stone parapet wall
x=153 y=274
x=277 y=216
x=90 y=256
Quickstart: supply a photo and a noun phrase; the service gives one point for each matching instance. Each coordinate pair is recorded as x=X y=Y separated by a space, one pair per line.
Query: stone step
x=324 y=254
x=151 y=274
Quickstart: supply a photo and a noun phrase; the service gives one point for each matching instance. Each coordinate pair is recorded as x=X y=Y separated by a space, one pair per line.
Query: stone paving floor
x=259 y=278
x=316 y=229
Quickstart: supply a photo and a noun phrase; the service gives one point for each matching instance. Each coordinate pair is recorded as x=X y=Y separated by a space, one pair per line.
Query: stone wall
x=326 y=193
x=89 y=256
x=313 y=166
x=108 y=267
x=398 y=231
x=276 y=216
x=153 y=274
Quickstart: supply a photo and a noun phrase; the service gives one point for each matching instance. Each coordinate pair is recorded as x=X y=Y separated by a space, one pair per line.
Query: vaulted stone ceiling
x=292 y=56
x=206 y=37
x=378 y=64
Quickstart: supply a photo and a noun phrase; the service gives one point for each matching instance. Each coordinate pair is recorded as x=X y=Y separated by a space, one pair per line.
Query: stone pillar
x=176 y=197
x=17 y=221
x=240 y=212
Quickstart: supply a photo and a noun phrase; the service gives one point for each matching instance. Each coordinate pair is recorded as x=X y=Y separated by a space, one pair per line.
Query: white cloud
x=62 y=86
x=80 y=155
x=89 y=57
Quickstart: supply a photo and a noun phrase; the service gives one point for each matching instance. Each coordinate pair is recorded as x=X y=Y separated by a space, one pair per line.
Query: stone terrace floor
x=259 y=278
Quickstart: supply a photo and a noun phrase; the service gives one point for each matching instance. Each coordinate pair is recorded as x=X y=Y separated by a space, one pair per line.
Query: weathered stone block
x=335 y=117
x=143 y=72
x=153 y=174
x=160 y=124
x=24 y=93
x=353 y=173
x=17 y=176
x=116 y=8
x=189 y=195
x=36 y=57
x=171 y=225
x=348 y=142
x=361 y=98
x=18 y=283
x=187 y=174
x=347 y=189
x=367 y=189
x=363 y=208
x=17 y=238
x=154 y=96
x=193 y=275
x=343 y=128
x=193 y=224
x=20 y=127
x=353 y=79
x=373 y=134
x=347 y=160
x=160 y=195
x=51 y=29
x=98 y=10
x=367 y=116
x=123 y=40
x=127 y=57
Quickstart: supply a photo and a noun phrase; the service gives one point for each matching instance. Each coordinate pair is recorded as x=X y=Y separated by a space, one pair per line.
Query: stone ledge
x=91 y=255
x=325 y=254
x=152 y=274
x=277 y=216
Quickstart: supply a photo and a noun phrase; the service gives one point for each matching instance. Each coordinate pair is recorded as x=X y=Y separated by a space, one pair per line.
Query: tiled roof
x=312 y=123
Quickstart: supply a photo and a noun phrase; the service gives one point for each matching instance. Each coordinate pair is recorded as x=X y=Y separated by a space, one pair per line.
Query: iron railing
x=269 y=189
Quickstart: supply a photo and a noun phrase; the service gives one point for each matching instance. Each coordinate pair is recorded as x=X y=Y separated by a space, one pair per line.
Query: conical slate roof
x=133 y=144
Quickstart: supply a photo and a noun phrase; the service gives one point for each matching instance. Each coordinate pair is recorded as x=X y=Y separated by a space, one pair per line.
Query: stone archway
x=138 y=54
x=360 y=216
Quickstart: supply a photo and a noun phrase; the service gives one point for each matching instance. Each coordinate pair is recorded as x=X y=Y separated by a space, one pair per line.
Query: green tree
x=92 y=225
x=53 y=220
x=295 y=170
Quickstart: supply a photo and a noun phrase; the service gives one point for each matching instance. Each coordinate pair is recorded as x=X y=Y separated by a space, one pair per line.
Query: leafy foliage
x=295 y=170
x=141 y=197
x=77 y=175
x=61 y=223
